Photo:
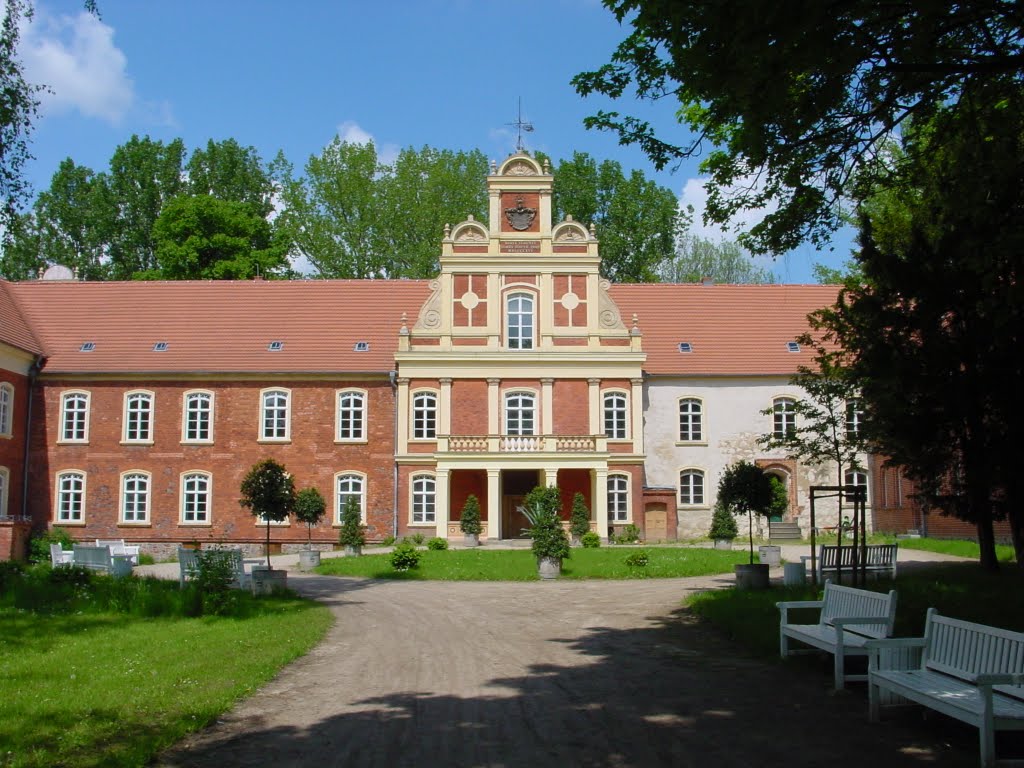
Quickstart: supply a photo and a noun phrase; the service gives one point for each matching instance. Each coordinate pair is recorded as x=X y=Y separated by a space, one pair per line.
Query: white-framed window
x=691 y=420
x=6 y=410
x=423 y=497
x=196 y=494
x=348 y=485
x=135 y=497
x=691 y=487
x=520 y=413
x=197 y=417
x=519 y=318
x=856 y=478
x=275 y=413
x=138 y=417
x=74 y=417
x=616 y=410
x=784 y=414
x=70 y=499
x=424 y=416
x=618 y=498
x=351 y=415
x=5 y=486
x=854 y=418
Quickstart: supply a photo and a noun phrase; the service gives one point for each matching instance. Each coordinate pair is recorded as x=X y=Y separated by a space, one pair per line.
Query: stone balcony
x=522 y=443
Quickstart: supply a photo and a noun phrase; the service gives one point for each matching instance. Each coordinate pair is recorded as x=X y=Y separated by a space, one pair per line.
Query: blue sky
x=290 y=76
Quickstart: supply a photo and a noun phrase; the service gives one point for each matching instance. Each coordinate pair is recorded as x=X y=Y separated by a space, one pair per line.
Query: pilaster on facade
x=441 y=512
x=403 y=415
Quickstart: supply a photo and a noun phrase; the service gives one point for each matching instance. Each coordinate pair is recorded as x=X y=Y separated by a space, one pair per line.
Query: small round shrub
x=405 y=556
x=387 y=541
x=590 y=540
x=39 y=544
x=723 y=524
x=418 y=539
x=437 y=543
x=637 y=560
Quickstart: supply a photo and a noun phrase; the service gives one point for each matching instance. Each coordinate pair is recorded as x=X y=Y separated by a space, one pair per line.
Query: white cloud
x=75 y=56
x=351 y=132
x=695 y=194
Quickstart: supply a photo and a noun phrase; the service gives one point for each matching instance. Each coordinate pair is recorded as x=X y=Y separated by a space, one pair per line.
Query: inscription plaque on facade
x=520 y=246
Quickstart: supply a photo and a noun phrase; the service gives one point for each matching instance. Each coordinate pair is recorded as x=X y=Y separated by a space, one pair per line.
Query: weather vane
x=522 y=127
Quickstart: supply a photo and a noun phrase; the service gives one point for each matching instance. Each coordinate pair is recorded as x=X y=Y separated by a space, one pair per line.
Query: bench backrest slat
x=963 y=649
x=96 y=558
x=845 y=602
x=874 y=554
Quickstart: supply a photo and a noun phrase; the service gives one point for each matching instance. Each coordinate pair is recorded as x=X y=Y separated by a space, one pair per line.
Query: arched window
x=519 y=316
x=6 y=409
x=520 y=412
x=691 y=487
x=351 y=415
x=423 y=497
x=138 y=417
x=854 y=418
x=349 y=485
x=135 y=497
x=691 y=420
x=784 y=412
x=70 y=507
x=615 y=410
x=195 y=498
x=424 y=416
x=5 y=482
x=197 y=419
x=74 y=417
x=857 y=479
x=274 y=416
x=618 y=498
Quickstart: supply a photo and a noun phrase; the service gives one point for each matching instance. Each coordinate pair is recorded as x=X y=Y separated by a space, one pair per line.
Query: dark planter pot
x=549 y=567
x=752 y=576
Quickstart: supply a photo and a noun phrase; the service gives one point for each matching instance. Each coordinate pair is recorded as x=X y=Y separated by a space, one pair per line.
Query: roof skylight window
x=160 y=346
x=792 y=346
x=685 y=346
x=275 y=346
x=362 y=346
x=87 y=346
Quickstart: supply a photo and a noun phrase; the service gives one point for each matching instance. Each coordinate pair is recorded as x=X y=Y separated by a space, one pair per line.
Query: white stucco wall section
x=732 y=422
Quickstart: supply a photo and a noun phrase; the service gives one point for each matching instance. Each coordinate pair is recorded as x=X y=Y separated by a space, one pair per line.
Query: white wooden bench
x=100 y=559
x=60 y=556
x=188 y=565
x=119 y=548
x=971 y=672
x=875 y=558
x=848 y=618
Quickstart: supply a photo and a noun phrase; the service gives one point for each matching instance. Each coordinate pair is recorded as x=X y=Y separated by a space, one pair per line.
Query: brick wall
x=12 y=449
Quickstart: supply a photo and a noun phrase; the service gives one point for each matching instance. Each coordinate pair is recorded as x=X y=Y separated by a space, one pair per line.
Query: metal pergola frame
x=858 y=495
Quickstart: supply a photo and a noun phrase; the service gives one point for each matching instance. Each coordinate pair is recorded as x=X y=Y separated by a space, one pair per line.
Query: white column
x=547 y=420
x=441 y=513
x=403 y=415
x=444 y=420
x=594 y=398
x=493 y=407
x=550 y=477
x=637 y=414
x=601 y=501
x=494 y=504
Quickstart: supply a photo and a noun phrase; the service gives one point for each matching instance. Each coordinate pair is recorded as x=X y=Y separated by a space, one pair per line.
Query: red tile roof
x=13 y=329
x=220 y=326
x=226 y=327
x=733 y=329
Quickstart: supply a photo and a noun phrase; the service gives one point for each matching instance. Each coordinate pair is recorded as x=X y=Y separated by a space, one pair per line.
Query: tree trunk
x=268 y=545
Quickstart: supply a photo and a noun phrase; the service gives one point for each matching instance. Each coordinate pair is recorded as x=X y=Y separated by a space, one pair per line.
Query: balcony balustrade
x=521 y=443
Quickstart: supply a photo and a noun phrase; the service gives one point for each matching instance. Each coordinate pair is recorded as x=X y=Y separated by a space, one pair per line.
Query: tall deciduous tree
x=636 y=221
x=228 y=171
x=697 y=257
x=792 y=99
x=73 y=220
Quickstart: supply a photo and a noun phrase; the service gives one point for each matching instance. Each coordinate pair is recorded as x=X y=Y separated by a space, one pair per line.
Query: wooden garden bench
x=971 y=672
x=119 y=548
x=848 y=618
x=188 y=565
x=100 y=559
x=878 y=559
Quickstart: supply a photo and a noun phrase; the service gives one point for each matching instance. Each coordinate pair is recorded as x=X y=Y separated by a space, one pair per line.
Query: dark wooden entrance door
x=513 y=521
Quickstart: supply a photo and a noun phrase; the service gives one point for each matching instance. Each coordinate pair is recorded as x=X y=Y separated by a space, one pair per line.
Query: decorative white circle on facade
x=570 y=300
x=469 y=300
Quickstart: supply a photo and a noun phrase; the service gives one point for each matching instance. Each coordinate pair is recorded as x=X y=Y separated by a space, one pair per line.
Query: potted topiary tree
x=268 y=491
x=550 y=544
x=723 y=527
x=469 y=523
x=579 y=519
x=353 y=533
x=745 y=489
x=309 y=509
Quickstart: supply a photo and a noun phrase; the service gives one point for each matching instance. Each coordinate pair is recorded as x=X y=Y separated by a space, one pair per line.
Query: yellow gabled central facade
x=518 y=371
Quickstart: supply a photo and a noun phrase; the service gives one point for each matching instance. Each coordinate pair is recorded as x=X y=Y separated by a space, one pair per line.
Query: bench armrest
x=801 y=604
x=912 y=648
x=999 y=678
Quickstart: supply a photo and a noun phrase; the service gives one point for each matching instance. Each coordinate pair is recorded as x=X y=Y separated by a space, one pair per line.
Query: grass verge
x=520 y=565
x=108 y=688
x=961 y=590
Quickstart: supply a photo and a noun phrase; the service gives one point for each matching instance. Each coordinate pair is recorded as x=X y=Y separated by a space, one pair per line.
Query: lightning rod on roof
x=521 y=127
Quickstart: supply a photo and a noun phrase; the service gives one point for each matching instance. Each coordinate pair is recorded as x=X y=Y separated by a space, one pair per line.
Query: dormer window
x=275 y=346
x=685 y=347
x=87 y=346
x=792 y=346
x=362 y=346
x=160 y=346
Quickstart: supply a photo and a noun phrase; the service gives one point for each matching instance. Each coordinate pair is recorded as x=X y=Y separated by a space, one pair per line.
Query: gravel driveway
x=569 y=673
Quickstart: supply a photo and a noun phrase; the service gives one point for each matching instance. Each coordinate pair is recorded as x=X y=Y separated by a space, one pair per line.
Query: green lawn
x=961 y=590
x=520 y=564
x=109 y=689
x=958 y=547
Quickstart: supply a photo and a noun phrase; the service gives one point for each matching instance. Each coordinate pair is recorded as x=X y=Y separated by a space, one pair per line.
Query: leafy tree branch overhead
x=796 y=96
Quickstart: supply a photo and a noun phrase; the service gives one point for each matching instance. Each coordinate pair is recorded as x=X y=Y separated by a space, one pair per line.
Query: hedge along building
x=517 y=366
